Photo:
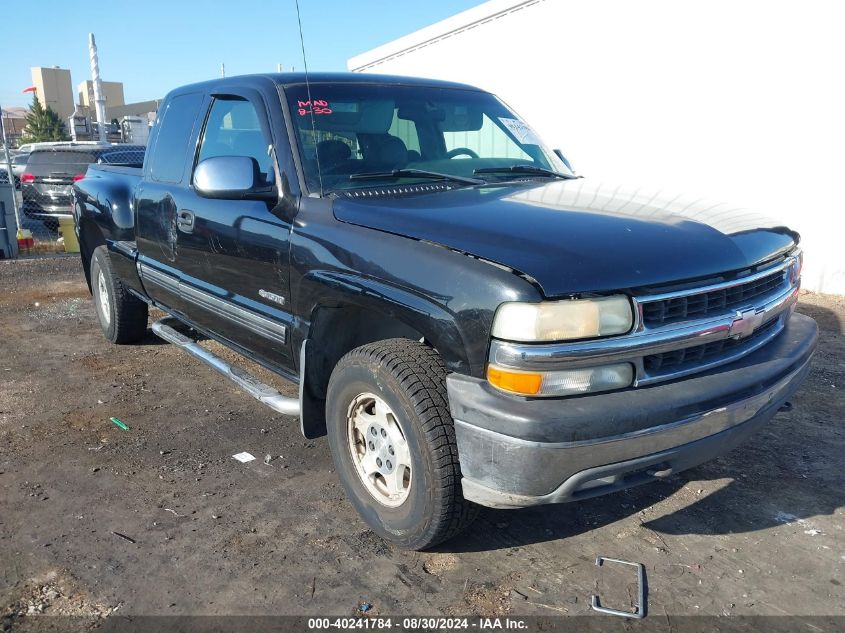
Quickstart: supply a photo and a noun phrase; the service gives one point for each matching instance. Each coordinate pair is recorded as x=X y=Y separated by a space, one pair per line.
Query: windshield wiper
x=525 y=169
x=416 y=173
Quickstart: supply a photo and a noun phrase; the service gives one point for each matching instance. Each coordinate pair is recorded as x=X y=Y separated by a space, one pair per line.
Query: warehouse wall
x=732 y=101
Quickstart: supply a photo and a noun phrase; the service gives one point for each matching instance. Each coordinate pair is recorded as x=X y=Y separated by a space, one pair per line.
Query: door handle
x=185 y=221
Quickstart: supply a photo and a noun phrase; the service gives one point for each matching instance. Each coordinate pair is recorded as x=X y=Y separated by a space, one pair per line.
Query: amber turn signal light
x=520 y=382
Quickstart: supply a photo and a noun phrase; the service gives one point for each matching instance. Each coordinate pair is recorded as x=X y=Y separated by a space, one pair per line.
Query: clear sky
x=153 y=46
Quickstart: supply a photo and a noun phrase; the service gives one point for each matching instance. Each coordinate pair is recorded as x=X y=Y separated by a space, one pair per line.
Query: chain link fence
x=44 y=191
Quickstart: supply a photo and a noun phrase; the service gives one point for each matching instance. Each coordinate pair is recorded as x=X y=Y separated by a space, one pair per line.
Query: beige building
x=141 y=108
x=54 y=89
x=112 y=91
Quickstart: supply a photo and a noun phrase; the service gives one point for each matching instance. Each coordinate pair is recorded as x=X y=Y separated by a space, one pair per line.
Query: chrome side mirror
x=231 y=178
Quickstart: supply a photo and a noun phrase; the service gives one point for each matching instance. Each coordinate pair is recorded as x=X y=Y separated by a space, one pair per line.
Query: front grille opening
x=680 y=359
x=657 y=313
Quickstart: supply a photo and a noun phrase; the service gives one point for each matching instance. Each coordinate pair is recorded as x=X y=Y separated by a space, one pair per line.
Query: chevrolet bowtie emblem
x=745 y=322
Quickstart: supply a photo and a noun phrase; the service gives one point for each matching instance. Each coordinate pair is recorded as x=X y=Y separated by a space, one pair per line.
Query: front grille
x=707 y=326
x=695 y=306
x=680 y=359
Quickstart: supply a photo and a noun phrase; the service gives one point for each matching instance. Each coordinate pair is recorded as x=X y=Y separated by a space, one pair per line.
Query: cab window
x=233 y=128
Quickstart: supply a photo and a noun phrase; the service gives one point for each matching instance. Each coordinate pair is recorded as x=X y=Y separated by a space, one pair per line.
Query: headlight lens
x=563 y=320
x=566 y=382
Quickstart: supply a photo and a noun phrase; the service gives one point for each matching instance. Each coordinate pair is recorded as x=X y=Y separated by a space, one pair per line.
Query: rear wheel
x=393 y=443
x=122 y=316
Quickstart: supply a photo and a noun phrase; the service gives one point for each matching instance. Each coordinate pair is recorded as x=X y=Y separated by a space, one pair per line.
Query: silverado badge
x=271 y=296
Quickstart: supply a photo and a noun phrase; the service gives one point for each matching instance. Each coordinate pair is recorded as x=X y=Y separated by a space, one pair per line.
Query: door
x=163 y=197
x=235 y=252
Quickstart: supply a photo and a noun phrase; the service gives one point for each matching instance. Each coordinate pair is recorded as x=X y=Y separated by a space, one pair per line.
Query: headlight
x=567 y=382
x=562 y=320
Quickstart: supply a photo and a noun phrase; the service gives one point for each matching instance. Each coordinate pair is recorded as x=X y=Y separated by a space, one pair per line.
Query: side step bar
x=249 y=383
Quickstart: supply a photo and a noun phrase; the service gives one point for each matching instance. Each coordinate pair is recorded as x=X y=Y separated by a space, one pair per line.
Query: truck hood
x=574 y=236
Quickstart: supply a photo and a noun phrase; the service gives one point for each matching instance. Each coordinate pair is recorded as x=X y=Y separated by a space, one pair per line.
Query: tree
x=43 y=124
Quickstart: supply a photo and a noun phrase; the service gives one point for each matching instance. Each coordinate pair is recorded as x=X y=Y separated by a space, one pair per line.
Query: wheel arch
x=90 y=237
x=356 y=311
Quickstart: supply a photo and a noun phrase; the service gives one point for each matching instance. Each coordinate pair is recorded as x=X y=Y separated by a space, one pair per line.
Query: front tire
x=122 y=316
x=393 y=443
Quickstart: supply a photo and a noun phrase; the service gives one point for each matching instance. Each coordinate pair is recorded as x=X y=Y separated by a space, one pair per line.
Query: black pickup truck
x=468 y=321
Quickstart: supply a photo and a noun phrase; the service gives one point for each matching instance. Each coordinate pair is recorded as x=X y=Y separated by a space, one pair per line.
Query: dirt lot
x=161 y=520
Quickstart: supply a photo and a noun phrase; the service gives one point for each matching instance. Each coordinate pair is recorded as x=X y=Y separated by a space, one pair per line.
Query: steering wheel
x=459 y=151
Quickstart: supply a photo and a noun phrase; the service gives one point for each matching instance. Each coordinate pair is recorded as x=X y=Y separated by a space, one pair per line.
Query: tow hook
x=785 y=407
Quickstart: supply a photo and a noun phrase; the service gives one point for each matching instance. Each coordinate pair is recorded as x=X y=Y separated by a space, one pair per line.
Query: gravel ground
x=161 y=520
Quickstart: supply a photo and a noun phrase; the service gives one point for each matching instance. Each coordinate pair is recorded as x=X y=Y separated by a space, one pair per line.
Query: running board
x=246 y=381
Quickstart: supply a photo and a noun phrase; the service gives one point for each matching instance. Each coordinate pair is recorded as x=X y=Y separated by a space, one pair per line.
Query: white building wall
x=737 y=101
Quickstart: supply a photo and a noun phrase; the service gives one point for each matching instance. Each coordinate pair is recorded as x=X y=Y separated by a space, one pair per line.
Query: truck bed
x=117 y=169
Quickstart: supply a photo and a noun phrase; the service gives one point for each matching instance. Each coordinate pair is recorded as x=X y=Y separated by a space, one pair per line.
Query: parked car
x=19 y=167
x=26 y=148
x=50 y=173
x=469 y=322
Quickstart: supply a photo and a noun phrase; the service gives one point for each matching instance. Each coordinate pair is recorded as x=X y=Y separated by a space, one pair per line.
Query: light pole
x=99 y=97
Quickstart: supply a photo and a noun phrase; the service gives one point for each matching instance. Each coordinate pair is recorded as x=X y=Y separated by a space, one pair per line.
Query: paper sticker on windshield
x=521 y=131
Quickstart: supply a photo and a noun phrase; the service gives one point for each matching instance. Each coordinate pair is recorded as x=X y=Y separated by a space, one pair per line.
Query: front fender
x=434 y=322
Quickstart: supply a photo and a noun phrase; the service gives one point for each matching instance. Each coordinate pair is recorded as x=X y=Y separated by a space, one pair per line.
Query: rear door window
x=168 y=158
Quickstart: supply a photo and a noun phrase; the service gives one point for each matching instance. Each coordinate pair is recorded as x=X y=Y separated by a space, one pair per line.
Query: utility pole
x=10 y=174
x=99 y=97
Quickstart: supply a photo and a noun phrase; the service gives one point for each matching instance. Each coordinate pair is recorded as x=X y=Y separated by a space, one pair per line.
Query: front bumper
x=518 y=452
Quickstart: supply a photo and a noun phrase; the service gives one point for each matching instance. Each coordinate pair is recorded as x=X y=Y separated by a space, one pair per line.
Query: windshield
x=349 y=130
